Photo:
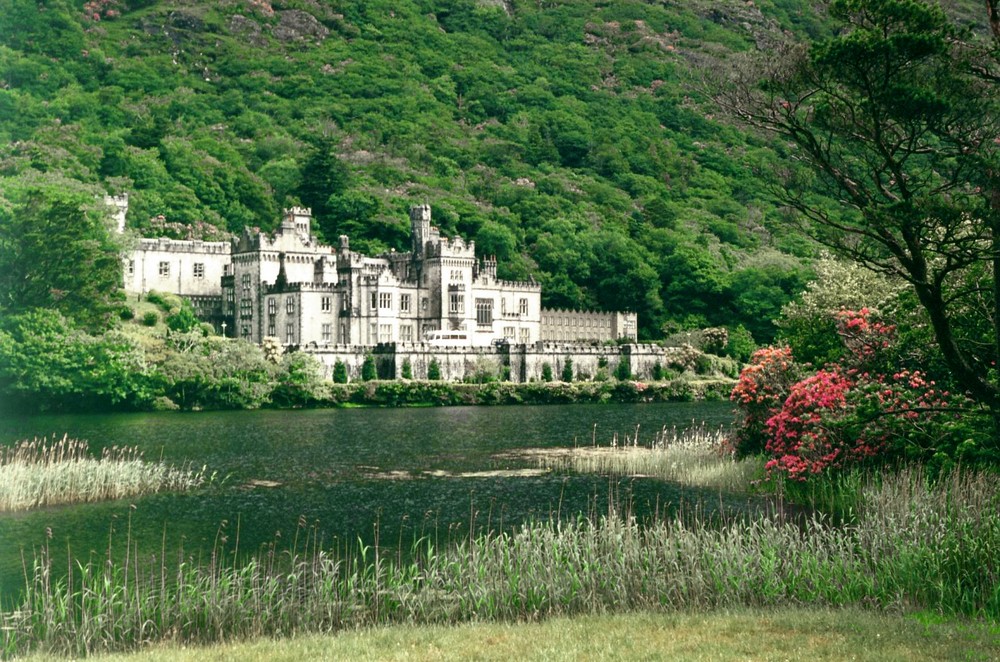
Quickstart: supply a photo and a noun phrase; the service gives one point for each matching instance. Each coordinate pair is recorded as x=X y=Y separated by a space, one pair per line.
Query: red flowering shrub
x=801 y=438
x=760 y=391
x=852 y=412
x=868 y=340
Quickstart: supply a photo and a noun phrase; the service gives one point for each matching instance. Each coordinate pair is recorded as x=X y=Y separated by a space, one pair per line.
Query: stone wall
x=525 y=362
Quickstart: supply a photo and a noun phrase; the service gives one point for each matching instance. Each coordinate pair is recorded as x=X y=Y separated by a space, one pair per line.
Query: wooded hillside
x=573 y=140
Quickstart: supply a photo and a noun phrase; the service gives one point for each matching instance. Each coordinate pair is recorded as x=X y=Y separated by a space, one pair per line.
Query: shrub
x=183 y=320
x=622 y=371
x=158 y=299
x=854 y=411
x=567 y=369
x=433 y=370
x=406 y=372
x=546 y=372
x=150 y=318
x=715 y=340
x=683 y=358
x=703 y=364
x=760 y=391
x=368 y=371
x=339 y=372
x=657 y=372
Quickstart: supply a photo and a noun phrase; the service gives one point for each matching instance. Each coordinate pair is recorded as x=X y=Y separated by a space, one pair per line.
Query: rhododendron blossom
x=847 y=413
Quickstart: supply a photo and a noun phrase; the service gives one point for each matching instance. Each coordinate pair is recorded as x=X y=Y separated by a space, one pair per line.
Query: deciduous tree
x=57 y=250
x=898 y=118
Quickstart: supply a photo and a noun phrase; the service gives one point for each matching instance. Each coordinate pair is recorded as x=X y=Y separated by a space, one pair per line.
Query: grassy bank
x=804 y=634
x=43 y=472
x=913 y=546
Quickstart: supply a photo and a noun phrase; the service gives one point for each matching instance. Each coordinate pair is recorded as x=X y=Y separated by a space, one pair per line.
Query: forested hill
x=568 y=138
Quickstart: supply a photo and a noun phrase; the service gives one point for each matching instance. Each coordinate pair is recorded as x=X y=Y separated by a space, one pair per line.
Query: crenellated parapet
x=284 y=288
x=165 y=245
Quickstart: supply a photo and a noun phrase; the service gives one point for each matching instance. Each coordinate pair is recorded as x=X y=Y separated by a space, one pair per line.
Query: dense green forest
x=573 y=140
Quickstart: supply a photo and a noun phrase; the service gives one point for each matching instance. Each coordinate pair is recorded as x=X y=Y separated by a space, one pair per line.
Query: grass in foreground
x=798 y=634
x=695 y=456
x=40 y=473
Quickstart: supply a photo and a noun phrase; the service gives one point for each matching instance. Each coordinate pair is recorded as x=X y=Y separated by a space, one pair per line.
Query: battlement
x=275 y=288
x=165 y=245
x=525 y=286
x=454 y=247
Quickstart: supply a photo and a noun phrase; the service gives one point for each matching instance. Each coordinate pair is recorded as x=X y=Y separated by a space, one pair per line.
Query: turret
x=420 y=227
x=298 y=220
x=119 y=203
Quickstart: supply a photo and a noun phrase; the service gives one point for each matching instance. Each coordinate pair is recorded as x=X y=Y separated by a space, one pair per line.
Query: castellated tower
x=420 y=226
x=298 y=220
x=119 y=203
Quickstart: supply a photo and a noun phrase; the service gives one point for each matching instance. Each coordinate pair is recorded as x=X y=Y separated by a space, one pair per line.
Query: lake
x=345 y=473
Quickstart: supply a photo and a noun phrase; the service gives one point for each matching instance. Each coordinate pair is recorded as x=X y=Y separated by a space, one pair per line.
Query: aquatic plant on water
x=697 y=456
x=45 y=472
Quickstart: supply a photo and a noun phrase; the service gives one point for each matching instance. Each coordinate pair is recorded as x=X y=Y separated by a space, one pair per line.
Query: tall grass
x=43 y=472
x=696 y=456
x=914 y=546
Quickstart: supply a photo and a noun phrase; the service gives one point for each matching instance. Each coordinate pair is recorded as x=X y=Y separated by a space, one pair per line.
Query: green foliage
x=433 y=370
x=339 y=372
x=150 y=318
x=47 y=364
x=622 y=371
x=300 y=381
x=184 y=319
x=808 y=323
x=566 y=140
x=57 y=250
x=888 y=116
x=741 y=344
x=368 y=371
x=324 y=178
x=215 y=373
x=567 y=369
x=546 y=372
x=406 y=372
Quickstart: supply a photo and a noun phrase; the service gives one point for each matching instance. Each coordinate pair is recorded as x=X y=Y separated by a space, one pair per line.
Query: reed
x=45 y=472
x=698 y=456
x=915 y=545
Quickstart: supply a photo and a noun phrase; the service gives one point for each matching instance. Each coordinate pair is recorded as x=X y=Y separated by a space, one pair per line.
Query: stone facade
x=289 y=286
x=588 y=326
x=187 y=268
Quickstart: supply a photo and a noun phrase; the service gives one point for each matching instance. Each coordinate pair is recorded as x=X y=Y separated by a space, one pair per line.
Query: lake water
x=342 y=472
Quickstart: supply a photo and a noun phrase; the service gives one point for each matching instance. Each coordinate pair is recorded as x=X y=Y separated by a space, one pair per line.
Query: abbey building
x=289 y=286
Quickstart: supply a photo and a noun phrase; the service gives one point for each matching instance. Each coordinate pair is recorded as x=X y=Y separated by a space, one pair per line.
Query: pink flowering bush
x=852 y=412
x=798 y=438
x=760 y=391
x=868 y=340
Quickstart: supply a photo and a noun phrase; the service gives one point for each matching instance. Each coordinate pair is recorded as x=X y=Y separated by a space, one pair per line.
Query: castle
x=289 y=286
